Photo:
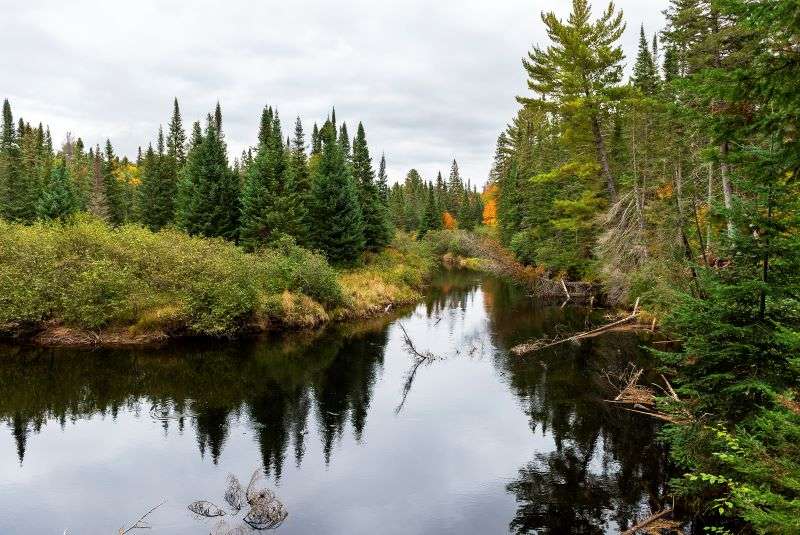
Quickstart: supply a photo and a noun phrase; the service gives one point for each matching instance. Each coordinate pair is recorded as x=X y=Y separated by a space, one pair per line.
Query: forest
x=679 y=186
x=675 y=187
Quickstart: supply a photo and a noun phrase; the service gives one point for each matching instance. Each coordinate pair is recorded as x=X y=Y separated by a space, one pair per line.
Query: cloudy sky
x=431 y=80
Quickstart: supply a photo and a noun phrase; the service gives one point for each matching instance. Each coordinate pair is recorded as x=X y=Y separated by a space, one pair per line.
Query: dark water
x=485 y=442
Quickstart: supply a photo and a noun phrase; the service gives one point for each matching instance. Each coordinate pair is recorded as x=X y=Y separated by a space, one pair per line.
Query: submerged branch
x=141 y=524
x=544 y=343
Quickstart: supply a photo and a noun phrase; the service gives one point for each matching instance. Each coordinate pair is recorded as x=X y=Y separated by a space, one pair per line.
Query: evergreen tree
x=455 y=189
x=338 y=229
x=316 y=142
x=466 y=212
x=383 y=180
x=431 y=217
x=57 y=200
x=645 y=72
x=208 y=190
x=271 y=205
x=158 y=185
x=578 y=73
x=98 y=202
x=344 y=142
x=115 y=191
x=176 y=139
x=9 y=164
x=375 y=214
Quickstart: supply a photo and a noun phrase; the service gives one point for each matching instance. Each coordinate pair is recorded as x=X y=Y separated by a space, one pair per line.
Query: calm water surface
x=478 y=441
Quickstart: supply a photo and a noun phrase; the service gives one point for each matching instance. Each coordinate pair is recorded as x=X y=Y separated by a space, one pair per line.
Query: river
x=348 y=435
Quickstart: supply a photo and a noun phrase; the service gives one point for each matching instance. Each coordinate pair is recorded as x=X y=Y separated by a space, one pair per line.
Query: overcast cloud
x=430 y=79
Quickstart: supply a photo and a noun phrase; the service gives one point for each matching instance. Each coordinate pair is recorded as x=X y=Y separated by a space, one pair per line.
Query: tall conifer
x=338 y=229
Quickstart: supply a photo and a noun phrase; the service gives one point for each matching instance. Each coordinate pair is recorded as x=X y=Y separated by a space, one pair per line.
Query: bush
x=88 y=275
x=99 y=293
x=287 y=266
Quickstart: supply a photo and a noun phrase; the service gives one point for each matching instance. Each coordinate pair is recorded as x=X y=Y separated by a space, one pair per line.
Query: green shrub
x=287 y=266
x=100 y=293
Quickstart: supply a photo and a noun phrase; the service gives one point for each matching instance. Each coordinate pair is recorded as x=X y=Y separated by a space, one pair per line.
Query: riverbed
x=348 y=428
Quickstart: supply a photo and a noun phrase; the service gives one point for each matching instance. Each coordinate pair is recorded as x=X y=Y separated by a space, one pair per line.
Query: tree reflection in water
x=599 y=468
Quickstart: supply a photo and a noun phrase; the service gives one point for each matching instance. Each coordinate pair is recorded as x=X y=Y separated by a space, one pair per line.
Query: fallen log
x=647 y=521
x=538 y=345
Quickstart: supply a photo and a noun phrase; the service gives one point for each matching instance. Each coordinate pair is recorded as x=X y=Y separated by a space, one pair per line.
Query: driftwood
x=420 y=358
x=537 y=345
x=141 y=523
x=643 y=399
x=646 y=522
x=265 y=511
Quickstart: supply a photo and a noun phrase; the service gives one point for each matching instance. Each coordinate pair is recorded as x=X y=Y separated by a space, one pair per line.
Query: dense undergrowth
x=84 y=276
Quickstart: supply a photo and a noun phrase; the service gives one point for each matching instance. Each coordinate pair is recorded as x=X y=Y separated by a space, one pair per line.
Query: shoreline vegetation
x=84 y=283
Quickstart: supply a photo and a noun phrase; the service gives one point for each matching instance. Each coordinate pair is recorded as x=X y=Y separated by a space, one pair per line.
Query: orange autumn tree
x=448 y=221
x=490 y=204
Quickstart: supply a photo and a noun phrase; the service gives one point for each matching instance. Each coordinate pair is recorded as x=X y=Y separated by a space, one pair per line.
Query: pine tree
x=344 y=142
x=158 y=184
x=176 y=138
x=58 y=199
x=375 y=214
x=383 y=180
x=316 y=142
x=9 y=164
x=271 y=204
x=115 y=194
x=455 y=189
x=465 y=213
x=208 y=190
x=580 y=70
x=98 y=202
x=431 y=217
x=645 y=73
x=338 y=228
x=27 y=173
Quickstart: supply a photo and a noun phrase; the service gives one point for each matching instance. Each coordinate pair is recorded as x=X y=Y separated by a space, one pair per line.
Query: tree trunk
x=727 y=190
x=710 y=202
x=602 y=157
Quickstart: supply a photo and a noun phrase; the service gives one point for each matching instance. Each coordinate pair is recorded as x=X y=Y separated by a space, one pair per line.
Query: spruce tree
x=157 y=189
x=271 y=205
x=375 y=214
x=9 y=164
x=431 y=217
x=58 y=198
x=466 y=213
x=344 y=142
x=115 y=193
x=316 y=142
x=645 y=73
x=338 y=228
x=383 y=180
x=176 y=138
x=98 y=202
x=208 y=190
x=455 y=189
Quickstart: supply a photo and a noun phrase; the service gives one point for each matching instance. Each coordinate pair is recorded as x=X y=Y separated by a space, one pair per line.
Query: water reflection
x=590 y=468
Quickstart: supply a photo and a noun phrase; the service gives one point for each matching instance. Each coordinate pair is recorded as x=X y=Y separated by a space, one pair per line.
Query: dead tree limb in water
x=537 y=345
x=419 y=359
x=647 y=521
x=141 y=524
x=410 y=345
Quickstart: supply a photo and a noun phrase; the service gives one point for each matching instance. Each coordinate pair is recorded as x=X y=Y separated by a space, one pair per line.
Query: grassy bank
x=84 y=283
x=481 y=251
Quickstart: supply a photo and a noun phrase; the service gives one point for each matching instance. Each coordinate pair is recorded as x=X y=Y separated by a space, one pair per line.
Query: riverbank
x=87 y=284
